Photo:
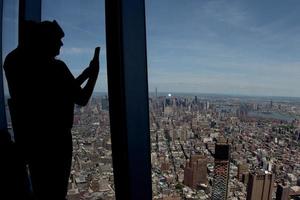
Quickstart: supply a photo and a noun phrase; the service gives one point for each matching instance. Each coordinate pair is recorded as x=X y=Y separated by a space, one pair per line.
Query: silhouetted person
x=43 y=93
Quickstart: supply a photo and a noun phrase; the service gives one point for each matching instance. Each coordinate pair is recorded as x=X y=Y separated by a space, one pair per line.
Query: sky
x=239 y=47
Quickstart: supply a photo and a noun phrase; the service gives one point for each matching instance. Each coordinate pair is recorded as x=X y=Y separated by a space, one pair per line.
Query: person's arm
x=83 y=76
x=90 y=74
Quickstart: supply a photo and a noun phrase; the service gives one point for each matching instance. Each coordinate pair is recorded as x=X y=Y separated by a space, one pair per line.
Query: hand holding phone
x=96 y=53
x=94 y=64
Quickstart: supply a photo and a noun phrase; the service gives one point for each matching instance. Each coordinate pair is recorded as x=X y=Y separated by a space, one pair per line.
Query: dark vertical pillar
x=128 y=98
x=29 y=10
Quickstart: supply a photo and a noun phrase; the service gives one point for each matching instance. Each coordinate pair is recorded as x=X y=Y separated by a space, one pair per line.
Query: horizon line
x=215 y=94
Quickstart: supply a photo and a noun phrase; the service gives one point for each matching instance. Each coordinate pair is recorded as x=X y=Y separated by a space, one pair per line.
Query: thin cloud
x=81 y=50
x=76 y=50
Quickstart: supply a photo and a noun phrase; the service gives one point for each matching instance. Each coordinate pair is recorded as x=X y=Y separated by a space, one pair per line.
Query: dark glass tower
x=221 y=171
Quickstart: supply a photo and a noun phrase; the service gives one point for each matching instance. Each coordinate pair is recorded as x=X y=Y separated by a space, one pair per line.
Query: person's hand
x=94 y=64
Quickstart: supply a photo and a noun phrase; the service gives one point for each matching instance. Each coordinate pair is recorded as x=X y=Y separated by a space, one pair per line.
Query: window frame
x=127 y=89
x=128 y=98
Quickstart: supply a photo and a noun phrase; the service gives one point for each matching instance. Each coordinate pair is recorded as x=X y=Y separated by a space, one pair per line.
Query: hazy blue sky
x=247 y=47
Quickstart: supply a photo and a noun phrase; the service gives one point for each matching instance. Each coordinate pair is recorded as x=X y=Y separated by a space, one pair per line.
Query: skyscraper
x=260 y=185
x=242 y=170
x=282 y=192
x=221 y=170
x=104 y=103
x=195 y=172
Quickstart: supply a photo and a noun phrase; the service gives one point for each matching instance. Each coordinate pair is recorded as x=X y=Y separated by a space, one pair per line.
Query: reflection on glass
x=9 y=42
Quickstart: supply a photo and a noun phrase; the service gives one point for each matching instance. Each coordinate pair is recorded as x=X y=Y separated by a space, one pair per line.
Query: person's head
x=50 y=36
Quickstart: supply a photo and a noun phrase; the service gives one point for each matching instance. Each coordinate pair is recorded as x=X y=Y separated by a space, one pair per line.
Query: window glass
x=9 y=41
x=224 y=96
x=83 y=24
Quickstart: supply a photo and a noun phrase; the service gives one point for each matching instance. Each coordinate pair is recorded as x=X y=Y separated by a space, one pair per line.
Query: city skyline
x=221 y=119
x=241 y=48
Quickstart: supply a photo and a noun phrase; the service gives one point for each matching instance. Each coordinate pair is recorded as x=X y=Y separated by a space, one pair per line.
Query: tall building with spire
x=221 y=170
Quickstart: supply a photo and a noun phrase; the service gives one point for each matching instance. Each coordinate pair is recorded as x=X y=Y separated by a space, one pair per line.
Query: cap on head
x=51 y=29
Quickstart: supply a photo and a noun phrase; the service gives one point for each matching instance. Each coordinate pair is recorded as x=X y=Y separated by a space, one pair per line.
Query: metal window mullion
x=128 y=98
x=29 y=10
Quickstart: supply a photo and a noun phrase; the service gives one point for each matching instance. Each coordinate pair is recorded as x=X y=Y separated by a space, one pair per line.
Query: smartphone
x=96 y=53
